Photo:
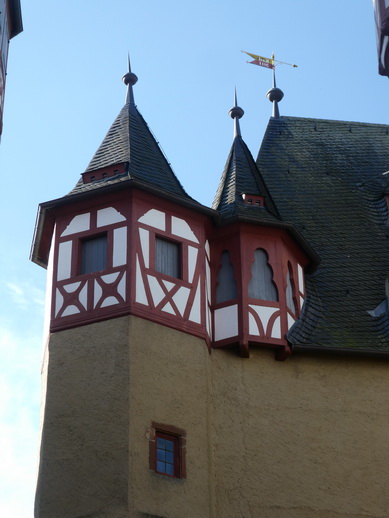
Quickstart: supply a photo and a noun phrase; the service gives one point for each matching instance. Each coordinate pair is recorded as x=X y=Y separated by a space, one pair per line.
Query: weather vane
x=266 y=62
x=274 y=95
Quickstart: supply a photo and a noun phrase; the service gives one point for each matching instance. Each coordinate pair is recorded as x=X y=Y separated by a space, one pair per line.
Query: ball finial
x=130 y=79
x=275 y=94
x=236 y=112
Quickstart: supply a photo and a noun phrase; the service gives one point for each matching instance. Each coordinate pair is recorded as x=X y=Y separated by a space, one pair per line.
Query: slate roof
x=327 y=177
x=241 y=176
x=129 y=140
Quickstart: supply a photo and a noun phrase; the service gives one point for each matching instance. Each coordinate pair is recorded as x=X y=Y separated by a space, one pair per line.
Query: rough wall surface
x=302 y=438
x=84 y=452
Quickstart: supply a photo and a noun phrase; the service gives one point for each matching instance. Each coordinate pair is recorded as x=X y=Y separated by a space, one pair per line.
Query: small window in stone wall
x=226 y=285
x=93 y=254
x=167 y=450
x=168 y=257
x=261 y=285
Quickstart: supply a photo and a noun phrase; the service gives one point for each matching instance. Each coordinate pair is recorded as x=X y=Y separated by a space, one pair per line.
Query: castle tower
x=162 y=398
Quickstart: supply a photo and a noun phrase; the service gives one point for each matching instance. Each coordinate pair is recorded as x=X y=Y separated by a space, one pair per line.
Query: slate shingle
x=129 y=140
x=327 y=178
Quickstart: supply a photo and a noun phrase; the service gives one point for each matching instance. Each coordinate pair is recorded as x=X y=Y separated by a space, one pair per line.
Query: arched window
x=291 y=299
x=261 y=285
x=226 y=285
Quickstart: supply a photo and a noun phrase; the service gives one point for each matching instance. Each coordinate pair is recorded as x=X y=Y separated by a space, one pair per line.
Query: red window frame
x=178 y=437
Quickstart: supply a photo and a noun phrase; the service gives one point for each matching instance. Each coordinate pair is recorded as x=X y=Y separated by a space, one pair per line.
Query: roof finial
x=236 y=113
x=275 y=94
x=130 y=79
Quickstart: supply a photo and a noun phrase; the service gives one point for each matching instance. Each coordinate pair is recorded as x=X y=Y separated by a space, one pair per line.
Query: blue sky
x=64 y=90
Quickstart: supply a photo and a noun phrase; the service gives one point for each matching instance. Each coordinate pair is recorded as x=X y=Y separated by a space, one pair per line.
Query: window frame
x=172 y=433
x=178 y=244
x=85 y=239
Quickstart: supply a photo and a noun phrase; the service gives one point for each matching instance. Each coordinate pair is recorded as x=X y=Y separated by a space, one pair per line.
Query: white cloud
x=24 y=295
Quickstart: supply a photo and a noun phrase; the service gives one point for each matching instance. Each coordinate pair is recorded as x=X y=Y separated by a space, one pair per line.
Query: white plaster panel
x=58 y=301
x=168 y=308
x=71 y=288
x=110 y=278
x=156 y=291
x=97 y=293
x=192 y=259
x=50 y=295
x=291 y=321
x=169 y=285
x=301 y=278
x=119 y=246
x=253 y=326
x=109 y=216
x=226 y=322
x=180 y=299
x=302 y=300
x=207 y=250
x=64 y=260
x=155 y=218
x=109 y=301
x=264 y=314
x=145 y=245
x=122 y=287
x=276 y=331
x=79 y=223
x=195 y=312
x=181 y=228
x=83 y=297
x=70 y=310
x=140 y=293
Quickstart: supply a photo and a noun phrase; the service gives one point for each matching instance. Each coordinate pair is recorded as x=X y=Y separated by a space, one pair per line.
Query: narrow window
x=93 y=254
x=261 y=284
x=168 y=257
x=226 y=285
x=291 y=300
x=167 y=454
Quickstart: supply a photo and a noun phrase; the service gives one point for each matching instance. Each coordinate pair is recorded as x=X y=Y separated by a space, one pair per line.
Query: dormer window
x=253 y=199
x=93 y=254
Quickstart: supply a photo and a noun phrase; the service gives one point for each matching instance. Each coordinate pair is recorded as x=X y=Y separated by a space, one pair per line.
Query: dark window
x=167 y=454
x=226 y=285
x=93 y=254
x=167 y=450
x=168 y=257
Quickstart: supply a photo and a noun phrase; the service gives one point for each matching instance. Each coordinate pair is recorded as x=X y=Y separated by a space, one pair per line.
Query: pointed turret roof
x=241 y=176
x=129 y=141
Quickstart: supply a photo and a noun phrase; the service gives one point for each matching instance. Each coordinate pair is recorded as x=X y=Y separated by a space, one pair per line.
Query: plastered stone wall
x=302 y=438
x=169 y=384
x=265 y=439
x=84 y=452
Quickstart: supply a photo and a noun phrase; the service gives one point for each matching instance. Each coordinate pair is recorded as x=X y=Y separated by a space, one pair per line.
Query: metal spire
x=236 y=113
x=275 y=94
x=130 y=79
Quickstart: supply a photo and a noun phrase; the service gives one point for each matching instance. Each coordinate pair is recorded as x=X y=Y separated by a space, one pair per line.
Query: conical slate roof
x=129 y=141
x=241 y=176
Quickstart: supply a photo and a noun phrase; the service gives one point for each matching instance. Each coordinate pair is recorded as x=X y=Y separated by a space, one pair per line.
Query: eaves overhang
x=340 y=351
x=15 y=13
x=45 y=220
x=314 y=259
